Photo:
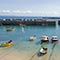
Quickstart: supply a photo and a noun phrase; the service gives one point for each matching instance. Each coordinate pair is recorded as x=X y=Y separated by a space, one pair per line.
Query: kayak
x=6 y=44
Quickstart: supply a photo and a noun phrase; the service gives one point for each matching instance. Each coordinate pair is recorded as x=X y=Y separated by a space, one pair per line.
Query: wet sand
x=13 y=56
x=20 y=56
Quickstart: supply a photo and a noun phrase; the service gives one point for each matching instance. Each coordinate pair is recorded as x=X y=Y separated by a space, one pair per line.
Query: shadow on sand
x=54 y=44
x=38 y=51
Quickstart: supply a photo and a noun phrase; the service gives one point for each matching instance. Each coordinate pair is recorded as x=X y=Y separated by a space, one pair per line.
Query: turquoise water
x=21 y=43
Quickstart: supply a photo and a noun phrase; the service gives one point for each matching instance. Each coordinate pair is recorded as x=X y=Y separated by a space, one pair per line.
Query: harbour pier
x=41 y=22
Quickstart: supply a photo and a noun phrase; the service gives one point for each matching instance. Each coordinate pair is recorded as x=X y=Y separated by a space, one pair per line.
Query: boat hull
x=54 y=41
x=44 y=41
x=10 y=29
x=32 y=38
x=6 y=44
x=41 y=54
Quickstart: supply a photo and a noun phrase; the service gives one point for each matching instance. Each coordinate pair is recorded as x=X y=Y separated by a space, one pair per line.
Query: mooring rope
x=55 y=43
x=42 y=45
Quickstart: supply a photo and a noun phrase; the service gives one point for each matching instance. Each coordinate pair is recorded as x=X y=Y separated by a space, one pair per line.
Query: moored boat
x=54 y=39
x=44 y=39
x=10 y=29
x=32 y=38
x=42 y=51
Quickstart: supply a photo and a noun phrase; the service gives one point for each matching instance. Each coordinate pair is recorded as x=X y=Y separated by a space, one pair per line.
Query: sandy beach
x=13 y=56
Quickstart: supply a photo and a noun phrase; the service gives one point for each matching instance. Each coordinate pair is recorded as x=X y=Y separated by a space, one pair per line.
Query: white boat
x=43 y=51
x=44 y=39
x=32 y=38
x=54 y=38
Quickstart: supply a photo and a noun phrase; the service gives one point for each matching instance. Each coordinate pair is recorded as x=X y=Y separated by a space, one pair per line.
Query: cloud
x=46 y=13
x=29 y=12
x=55 y=12
x=16 y=11
x=23 y=12
x=5 y=11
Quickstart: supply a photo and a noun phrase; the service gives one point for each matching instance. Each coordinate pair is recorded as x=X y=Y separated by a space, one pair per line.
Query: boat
x=44 y=39
x=7 y=44
x=10 y=29
x=42 y=51
x=32 y=38
x=54 y=39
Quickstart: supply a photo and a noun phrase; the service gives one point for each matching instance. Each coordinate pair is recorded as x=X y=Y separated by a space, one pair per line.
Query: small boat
x=54 y=38
x=44 y=39
x=32 y=38
x=10 y=29
x=43 y=51
x=7 y=44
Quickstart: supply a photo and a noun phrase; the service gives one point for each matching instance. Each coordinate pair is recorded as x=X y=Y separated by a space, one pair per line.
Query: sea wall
x=59 y=22
x=40 y=22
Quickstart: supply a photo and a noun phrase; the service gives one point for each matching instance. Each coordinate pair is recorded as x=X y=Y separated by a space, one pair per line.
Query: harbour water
x=22 y=48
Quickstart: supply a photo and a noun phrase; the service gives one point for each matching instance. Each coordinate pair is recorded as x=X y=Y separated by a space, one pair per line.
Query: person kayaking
x=7 y=44
x=10 y=41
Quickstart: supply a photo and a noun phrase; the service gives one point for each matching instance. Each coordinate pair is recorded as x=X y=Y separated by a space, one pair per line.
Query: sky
x=30 y=7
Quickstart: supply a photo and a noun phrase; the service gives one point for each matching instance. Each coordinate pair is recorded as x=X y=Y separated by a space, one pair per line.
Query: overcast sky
x=30 y=7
